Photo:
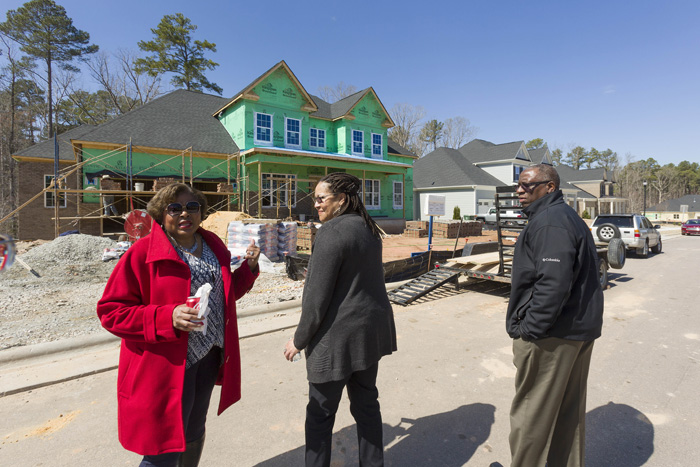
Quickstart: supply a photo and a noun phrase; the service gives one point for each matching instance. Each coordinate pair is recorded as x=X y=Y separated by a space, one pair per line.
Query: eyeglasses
x=321 y=199
x=175 y=209
x=530 y=187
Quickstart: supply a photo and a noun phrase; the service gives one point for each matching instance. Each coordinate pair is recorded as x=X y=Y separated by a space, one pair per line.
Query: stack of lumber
x=484 y=262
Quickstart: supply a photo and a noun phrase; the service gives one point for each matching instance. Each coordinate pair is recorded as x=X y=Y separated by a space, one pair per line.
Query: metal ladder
x=416 y=288
x=503 y=194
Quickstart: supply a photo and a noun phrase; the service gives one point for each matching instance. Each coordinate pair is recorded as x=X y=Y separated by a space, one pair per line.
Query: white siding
x=503 y=172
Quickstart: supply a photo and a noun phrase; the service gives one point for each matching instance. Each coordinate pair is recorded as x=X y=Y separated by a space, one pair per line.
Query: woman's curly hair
x=169 y=194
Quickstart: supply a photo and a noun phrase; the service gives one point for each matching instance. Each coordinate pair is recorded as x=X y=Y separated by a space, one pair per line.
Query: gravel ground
x=61 y=303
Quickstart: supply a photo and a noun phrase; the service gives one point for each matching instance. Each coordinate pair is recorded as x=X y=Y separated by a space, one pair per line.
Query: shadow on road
x=619 y=435
x=446 y=439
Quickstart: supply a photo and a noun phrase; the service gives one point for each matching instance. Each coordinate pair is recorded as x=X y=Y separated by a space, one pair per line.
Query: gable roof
x=570 y=174
x=448 y=167
x=539 y=155
x=479 y=151
x=674 y=205
x=248 y=93
x=45 y=149
x=344 y=106
x=178 y=120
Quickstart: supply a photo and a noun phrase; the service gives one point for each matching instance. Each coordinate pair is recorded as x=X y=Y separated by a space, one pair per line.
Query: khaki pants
x=548 y=415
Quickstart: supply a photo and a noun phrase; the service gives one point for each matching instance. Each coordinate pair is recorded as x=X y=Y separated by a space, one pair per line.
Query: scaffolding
x=276 y=195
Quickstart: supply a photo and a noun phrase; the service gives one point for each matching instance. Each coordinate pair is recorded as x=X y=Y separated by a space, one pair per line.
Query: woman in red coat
x=167 y=366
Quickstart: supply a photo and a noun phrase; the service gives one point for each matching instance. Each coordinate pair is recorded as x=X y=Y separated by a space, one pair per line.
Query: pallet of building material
x=107 y=184
x=415 y=233
x=162 y=182
x=453 y=229
x=417 y=225
x=224 y=188
x=305 y=237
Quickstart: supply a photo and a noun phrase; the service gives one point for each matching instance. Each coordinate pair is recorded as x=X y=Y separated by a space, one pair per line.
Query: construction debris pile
x=61 y=302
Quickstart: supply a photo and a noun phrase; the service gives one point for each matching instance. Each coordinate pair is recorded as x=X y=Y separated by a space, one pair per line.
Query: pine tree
x=44 y=32
x=175 y=52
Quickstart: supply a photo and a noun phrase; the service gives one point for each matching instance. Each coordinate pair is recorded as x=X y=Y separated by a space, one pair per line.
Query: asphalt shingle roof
x=537 y=155
x=479 y=150
x=449 y=167
x=674 y=205
x=45 y=149
x=396 y=148
x=178 y=120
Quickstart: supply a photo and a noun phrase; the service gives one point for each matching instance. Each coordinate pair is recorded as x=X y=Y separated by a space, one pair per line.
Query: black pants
x=364 y=406
x=199 y=383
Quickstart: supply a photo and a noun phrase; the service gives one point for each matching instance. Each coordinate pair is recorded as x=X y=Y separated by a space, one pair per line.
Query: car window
x=617 y=221
x=693 y=221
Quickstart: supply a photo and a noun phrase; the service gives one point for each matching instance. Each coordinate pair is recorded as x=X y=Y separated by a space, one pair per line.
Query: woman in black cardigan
x=346 y=324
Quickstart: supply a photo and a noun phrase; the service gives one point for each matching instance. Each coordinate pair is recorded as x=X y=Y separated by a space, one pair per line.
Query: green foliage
x=175 y=52
x=585 y=215
x=456 y=215
x=431 y=133
x=576 y=158
x=556 y=157
x=536 y=143
x=44 y=32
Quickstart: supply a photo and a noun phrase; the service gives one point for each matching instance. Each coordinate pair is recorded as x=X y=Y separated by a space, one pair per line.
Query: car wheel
x=617 y=254
x=607 y=232
x=643 y=252
x=603 y=273
x=656 y=249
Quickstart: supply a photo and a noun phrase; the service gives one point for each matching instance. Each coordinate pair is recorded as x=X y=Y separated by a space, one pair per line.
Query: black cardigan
x=347 y=323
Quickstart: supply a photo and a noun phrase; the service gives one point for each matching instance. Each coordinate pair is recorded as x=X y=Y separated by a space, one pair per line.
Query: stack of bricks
x=452 y=229
x=108 y=184
x=416 y=229
x=305 y=237
x=162 y=182
x=224 y=188
x=423 y=225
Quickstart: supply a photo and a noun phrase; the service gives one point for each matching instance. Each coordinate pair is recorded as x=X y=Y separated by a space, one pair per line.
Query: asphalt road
x=445 y=394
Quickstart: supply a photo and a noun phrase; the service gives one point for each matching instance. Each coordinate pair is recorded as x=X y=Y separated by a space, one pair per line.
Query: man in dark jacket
x=554 y=315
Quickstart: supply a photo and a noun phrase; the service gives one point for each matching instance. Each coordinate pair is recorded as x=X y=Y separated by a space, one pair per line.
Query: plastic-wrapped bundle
x=264 y=235
x=286 y=238
x=258 y=229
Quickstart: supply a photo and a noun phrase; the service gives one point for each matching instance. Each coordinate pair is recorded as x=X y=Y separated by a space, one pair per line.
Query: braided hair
x=350 y=185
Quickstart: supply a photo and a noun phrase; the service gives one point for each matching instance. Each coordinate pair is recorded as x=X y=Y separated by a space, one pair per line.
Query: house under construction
x=260 y=152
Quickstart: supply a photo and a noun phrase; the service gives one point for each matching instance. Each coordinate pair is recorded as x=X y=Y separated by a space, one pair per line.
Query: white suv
x=634 y=230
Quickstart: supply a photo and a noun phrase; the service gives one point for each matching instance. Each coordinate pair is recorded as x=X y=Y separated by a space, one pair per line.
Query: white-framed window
x=317 y=138
x=358 y=142
x=377 y=147
x=292 y=133
x=49 y=195
x=279 y=190
x=263 y=128
x=370 y=194
x=398 y=195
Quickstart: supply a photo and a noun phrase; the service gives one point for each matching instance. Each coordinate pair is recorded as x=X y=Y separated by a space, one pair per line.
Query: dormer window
x=377 y=147
x=263 y=129
x=358 y=143
x=317 y=139
x=292 y=132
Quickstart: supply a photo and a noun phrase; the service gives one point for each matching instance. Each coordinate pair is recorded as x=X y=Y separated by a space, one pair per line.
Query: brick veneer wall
x=35 y=220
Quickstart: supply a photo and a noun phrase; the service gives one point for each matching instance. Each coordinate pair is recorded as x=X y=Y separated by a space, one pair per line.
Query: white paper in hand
x=203 y=294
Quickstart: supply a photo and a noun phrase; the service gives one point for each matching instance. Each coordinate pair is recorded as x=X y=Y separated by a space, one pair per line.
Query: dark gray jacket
x=347 y=323
x=555 y=290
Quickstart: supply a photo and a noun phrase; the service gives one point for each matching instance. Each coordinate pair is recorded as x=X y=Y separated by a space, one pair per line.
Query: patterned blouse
x=206 y=270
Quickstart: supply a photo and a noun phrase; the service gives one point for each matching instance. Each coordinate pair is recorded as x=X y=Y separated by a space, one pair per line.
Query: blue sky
x=623 y=75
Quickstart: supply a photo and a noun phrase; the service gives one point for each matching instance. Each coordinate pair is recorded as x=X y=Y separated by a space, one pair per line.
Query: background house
x=468 y=177
x=597 y=195
x=676 y=210
x=261 y=152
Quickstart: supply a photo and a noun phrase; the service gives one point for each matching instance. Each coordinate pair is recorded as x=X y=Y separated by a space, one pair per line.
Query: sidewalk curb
x=34 y=365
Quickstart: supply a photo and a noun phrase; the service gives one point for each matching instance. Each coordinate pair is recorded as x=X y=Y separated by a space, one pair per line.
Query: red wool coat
x=148 y=282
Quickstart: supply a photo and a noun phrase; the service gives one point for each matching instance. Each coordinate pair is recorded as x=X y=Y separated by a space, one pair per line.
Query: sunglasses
x=175 y=209
x=321 y=199
x=530 y=187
